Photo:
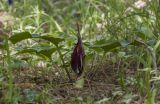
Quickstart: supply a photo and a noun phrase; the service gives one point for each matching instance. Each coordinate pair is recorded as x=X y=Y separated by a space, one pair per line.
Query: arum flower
x=78 y=55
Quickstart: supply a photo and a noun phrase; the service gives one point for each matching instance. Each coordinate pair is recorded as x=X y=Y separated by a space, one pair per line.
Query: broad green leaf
x=97 y=49
x=39 y=51
x=111 y=46
x=19 y=37
x=108 y=46
x=52 y=39
x=26 y=35
x=25 y=50
x=105 y=46
x=30 y=51
x=47 y=51
x=101 y=41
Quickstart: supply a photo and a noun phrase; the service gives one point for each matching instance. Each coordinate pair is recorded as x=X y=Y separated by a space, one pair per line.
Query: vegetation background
x=121 y=40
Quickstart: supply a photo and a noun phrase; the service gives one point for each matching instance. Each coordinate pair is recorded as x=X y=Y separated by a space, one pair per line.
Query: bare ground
x=101 y=87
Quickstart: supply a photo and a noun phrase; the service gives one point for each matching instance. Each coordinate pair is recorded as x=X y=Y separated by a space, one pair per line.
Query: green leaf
x=97 y=49
x=25 y=50
x=101 y=41
x=108 y=46
x=26 y=35
x=39 y=51
x=47 y=51
x=19 y=37
x=52 y=39
x=111 y=46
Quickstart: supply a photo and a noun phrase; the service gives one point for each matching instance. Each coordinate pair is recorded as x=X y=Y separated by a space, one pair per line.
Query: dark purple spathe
x=77 y=57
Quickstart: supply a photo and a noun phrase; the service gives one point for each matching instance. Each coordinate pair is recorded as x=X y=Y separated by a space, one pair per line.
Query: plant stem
x=61 y=57
x=9 y=71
